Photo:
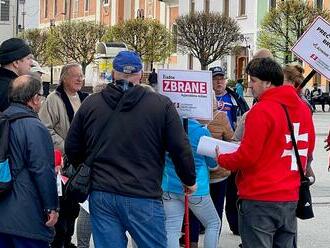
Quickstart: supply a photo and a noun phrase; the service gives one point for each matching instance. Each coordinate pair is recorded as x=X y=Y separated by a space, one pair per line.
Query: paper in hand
x=207 y=145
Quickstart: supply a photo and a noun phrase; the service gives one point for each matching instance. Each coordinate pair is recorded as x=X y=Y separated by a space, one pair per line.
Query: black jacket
x=131 y=161
x=5 y=77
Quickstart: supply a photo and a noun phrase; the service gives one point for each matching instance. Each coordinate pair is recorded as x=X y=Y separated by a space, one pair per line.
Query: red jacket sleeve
x=257 y=127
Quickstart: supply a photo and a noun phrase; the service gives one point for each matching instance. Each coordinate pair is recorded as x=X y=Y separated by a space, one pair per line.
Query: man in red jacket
x=267 y=172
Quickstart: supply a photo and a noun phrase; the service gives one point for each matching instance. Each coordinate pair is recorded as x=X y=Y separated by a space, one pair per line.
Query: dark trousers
x=267 y=224
x=231 y=200
x=217 y=192
x=64 y=228
x=12 y=241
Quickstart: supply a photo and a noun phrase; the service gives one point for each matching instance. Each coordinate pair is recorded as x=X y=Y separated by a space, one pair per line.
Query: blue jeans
x=12 y=241
x=203 y=209
x=112 y=215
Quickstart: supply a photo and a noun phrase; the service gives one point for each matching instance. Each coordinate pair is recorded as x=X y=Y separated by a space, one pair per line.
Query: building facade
x=17 y=16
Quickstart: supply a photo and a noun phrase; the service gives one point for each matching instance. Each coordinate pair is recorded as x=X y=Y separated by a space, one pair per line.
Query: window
x=55 y=8
x=46 y=9
x=272 y=4
x=175 y=36
x=76 y=6
x=86 y=5
x=207 y=6
x=242 y=10
x=65 y=6
x=4 y=7
x=192 y=6
x=318 y=4
x=317 y=79
x=226 y=7
x=190 y=61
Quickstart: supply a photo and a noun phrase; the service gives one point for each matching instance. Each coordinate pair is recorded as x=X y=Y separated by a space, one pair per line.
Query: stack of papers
x=207 y=145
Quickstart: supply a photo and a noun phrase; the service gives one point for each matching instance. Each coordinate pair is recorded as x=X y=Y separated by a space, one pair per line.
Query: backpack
x=6 y=179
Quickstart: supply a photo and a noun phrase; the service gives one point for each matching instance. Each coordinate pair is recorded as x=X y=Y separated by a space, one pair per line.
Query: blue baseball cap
x=127 y=62
x=217 y=70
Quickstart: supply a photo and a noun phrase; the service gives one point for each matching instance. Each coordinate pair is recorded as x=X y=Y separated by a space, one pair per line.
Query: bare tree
x=207 y=36
x=75 y=41
x=283 y=25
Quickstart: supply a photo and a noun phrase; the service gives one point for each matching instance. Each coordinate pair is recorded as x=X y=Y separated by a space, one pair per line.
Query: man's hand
x=52 y=218
x=189 y=190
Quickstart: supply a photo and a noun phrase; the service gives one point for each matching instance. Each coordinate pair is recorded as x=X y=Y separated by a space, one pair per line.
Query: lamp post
x=52 y=25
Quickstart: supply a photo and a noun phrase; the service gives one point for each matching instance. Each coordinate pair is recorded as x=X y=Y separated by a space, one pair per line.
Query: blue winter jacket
x=172 y=183
x=34 y=190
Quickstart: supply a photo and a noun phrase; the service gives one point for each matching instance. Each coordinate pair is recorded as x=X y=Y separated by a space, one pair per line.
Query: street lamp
x=52 y=25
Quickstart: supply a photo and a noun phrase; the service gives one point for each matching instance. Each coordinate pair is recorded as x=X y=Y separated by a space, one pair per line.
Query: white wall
x=8 y=28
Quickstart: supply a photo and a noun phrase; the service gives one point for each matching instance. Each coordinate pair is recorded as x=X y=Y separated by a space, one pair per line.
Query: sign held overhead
x=313 y=46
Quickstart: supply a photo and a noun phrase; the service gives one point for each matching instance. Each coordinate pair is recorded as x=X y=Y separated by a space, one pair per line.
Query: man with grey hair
x=57 y=113
x=30 y=209
x=127 y=169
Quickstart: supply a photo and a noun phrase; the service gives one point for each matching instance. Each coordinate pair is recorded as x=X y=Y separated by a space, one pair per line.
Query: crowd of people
x=147 y=163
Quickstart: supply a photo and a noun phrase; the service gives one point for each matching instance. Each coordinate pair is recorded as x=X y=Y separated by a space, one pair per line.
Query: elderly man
x=127 y=170
x=57 y=113
x=29 y=210
x=15 y=60
x=268 y=179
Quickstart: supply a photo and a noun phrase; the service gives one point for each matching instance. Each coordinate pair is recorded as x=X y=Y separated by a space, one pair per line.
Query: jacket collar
x=8 y=73
x=69 y=109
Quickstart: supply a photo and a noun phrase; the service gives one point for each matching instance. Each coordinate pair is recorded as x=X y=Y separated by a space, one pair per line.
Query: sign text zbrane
x=181 y=86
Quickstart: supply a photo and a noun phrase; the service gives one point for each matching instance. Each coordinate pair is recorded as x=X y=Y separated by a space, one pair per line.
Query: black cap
x=13 y=49
x=217 y=70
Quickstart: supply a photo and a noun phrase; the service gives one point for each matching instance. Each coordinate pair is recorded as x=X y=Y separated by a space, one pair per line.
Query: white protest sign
x=313 y=46
x=190 y=91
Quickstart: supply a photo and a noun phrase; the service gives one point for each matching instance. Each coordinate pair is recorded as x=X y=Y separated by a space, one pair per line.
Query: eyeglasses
x=78 y=77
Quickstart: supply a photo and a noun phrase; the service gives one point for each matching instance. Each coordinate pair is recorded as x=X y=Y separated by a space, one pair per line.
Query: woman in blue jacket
x=200 y=202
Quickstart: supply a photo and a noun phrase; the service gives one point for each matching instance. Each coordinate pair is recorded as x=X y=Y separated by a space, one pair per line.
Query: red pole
x=186 y=221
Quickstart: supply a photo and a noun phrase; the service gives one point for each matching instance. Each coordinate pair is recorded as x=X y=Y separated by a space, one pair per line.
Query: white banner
x=190 y=91
x=313 y=46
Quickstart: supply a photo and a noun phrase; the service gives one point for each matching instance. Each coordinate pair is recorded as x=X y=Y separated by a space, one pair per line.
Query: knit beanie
x=13 y=49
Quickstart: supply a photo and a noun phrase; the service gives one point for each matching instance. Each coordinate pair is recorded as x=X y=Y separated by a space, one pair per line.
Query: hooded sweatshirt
x=132 y=155
x=265 y=161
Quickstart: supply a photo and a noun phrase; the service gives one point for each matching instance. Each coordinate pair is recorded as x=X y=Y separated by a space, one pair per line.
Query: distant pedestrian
x=30 y=210
x=316 y=96
x=15 y=60
x=239 y=88
x=153 y=78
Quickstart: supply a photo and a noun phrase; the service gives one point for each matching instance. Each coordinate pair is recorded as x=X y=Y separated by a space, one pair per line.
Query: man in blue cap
x=127 y=170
